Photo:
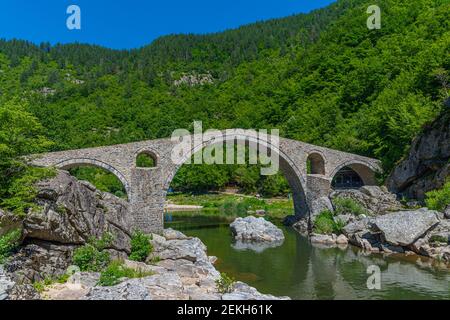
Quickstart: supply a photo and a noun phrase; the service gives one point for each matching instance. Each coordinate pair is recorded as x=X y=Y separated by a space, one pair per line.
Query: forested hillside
x=322 y=78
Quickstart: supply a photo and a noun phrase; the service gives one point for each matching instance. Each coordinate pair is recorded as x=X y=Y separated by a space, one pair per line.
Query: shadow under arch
x=365 y=171
x=290 y=171
x=86 y=162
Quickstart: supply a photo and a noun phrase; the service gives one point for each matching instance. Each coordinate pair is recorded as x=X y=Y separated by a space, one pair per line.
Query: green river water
x=303 y=271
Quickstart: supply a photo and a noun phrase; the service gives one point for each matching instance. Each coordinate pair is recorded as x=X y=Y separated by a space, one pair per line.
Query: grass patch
x=439 y=199
x=116 y=271
x=40 y=286
x=438 y=239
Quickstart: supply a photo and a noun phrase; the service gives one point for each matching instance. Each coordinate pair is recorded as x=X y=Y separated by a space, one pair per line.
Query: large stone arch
x=290 y=170
x=365 y=170
x=78 y=162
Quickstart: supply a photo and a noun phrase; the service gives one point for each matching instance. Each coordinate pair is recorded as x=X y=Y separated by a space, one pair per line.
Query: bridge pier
x=147 y=200
x=318 y=187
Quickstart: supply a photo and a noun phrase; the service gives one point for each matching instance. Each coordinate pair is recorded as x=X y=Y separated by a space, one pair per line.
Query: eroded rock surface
x=405 y=227
x=74 y=211
x=427 y=166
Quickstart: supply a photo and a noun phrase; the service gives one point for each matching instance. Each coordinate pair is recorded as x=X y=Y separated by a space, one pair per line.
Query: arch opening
x=286 y=184
x=315 y=164
x=103 y=176
x=146 y=159
x=353 y=176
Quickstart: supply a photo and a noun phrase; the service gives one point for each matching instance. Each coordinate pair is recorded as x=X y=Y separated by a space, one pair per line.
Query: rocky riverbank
x=380 y=224
x=70 y=214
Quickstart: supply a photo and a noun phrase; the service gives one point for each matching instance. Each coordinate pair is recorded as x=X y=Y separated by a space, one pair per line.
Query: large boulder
x=73 y=211
x=255 y=229
x=376 y=200
x=404 y=227
x=427 y=165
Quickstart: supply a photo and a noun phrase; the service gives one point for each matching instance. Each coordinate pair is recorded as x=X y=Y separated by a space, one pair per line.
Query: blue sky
x=134 y=23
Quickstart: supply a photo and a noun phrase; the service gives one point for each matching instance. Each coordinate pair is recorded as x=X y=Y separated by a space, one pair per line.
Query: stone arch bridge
x=147 y=187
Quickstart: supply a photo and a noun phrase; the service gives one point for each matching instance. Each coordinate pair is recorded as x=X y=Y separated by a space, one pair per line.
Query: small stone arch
x=72 y=163
x=150 y=154
x=315 y=163
x=365 y=171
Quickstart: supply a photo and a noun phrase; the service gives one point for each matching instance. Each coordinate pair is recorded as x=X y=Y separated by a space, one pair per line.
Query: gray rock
x=356 y=226
x=129 y=290
x=319 y=205
x=24 y=292
x=242 y=291
x=376 y=200
x=323 y=239
x=447 y=212
x=256 y=230
x=6 y=284
x=405 y=227
x=191 y=249
x=85 y=279
x=342 y=240
x=171 y=234
x=38 y=261
x=73 y=211
x=301 y=226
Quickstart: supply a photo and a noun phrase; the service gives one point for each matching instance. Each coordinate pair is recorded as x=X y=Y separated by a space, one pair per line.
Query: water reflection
x=303 y=271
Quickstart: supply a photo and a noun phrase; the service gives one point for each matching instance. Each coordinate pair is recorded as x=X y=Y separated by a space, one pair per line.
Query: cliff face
x=427 y=165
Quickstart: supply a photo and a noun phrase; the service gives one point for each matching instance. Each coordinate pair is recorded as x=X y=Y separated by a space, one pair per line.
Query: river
x=303 y=271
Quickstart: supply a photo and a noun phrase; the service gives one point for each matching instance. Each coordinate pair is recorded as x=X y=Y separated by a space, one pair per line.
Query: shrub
x=439 y=199
x=140 y=246
x=348 y=206
x=92 y=257
x=326 y=224
x=116 y=271
x=225 y=284
x=8 y=243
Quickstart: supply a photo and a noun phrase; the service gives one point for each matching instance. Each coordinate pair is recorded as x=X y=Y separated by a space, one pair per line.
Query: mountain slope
x=322 y=78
